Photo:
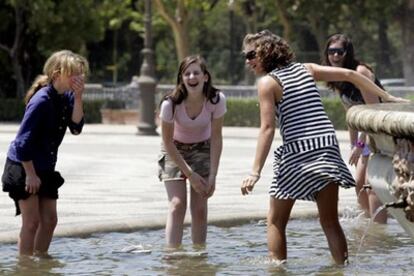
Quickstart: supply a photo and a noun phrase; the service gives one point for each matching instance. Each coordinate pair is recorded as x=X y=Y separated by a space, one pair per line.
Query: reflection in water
x=187 y=265
x=235 y=250
x=38 y=265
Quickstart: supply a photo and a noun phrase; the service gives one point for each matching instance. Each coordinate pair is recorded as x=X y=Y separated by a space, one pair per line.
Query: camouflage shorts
x=196 y=155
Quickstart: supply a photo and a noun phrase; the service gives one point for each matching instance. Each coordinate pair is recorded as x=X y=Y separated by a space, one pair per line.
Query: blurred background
x=110 y=33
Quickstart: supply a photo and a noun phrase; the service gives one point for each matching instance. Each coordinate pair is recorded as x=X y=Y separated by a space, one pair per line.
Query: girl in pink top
x=191 y=123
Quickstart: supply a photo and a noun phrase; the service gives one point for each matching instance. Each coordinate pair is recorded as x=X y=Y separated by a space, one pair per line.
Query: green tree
x=40 y=27
x=121 y=18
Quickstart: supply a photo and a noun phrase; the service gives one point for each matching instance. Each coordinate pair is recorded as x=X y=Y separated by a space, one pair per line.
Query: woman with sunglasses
x=339 y=52
x=308 y=165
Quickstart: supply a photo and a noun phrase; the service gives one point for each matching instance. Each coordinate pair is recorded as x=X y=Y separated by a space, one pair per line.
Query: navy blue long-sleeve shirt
x=47 y=116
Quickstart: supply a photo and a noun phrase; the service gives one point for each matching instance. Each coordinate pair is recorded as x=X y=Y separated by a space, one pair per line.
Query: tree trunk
x=178 y=24
x=20 y=83
x=384 y=63
x=284 y=20
x=407 y=27
x=181 y=41
x=15 y=52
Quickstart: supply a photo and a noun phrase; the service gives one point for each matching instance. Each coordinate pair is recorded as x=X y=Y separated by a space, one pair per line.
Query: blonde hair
x=64 y=62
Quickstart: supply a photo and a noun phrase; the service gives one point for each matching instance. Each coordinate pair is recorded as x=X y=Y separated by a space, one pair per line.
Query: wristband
x=255 y=175
x=360 y=144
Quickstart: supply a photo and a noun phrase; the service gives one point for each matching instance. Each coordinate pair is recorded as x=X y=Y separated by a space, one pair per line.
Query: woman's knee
x=49 y=221
x=31 y=224
x=178 y=205
x=279 y=212
x=329 y=223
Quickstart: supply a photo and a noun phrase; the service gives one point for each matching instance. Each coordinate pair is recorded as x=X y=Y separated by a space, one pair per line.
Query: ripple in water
x=235 y=250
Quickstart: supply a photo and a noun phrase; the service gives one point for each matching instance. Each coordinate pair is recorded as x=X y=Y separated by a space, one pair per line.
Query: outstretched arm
x=267 y=89
x=329 y=73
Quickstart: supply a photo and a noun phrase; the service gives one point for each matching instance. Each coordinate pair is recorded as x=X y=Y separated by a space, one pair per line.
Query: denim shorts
x=197 y=156
x=14 y=182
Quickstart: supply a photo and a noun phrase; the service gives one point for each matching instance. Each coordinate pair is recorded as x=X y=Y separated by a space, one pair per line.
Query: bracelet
x=360 y=144
x=255 y=175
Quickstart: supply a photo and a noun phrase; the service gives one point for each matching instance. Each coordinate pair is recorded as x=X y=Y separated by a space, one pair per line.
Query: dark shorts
x=14 y=182
x=196 y=155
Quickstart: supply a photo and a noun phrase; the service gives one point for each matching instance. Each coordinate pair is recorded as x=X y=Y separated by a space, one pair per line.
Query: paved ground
x=112 y=185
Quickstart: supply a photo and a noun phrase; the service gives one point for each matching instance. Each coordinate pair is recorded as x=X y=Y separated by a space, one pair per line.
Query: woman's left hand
x=393 y=99
x=248 y=183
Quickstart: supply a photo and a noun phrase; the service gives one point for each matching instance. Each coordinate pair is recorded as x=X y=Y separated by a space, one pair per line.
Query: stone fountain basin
x=386 y=124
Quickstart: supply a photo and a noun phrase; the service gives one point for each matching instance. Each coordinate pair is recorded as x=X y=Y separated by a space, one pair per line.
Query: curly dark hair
x=179 y=94
x=272 y=50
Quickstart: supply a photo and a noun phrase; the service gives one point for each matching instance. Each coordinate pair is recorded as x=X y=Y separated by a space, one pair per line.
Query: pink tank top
x=187 y=130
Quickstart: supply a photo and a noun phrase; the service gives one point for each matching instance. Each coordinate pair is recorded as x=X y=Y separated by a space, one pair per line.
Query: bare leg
x=48 y=222
x=374 y=204
x=368 y=200
x=277 y=219
x=177 y=198
x=327 y=201
x=361 y=180
x=30 y=223
x=198 y=205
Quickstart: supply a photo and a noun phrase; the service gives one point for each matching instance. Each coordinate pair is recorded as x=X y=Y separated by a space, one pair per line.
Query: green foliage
x=245 y=112
x=114 y=104
x=110 y=34
x=335 y=111
x=92 y=111
x=11 y=110
x=242 y=112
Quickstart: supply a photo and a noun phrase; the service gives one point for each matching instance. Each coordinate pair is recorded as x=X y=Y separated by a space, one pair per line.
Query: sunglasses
x=250 y=55
x=339 y=51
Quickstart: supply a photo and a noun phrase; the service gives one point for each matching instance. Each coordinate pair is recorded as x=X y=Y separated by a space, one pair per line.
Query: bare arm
x=78 y=86
x=368 y=97
x=32 y=180
x=216 y=147
x=268 y=89
x=329 y=73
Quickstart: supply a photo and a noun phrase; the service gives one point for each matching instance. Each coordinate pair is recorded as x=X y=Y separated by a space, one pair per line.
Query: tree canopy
x=110 y=34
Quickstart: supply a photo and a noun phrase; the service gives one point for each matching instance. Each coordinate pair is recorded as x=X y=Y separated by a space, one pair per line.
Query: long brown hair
x=272 y=50
x=350 y=62
x=64 y=62
x=179 y=94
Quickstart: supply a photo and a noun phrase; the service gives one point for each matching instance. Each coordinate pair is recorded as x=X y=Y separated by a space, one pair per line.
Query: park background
x=110 y=33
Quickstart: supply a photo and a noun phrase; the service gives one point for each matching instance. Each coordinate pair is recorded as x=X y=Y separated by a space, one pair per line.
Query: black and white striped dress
x=309 y=158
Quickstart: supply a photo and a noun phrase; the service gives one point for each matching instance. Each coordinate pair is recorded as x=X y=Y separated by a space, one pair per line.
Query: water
x=236 y=250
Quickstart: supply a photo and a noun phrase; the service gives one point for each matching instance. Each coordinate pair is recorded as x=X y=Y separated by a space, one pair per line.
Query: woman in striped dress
x=308 y=166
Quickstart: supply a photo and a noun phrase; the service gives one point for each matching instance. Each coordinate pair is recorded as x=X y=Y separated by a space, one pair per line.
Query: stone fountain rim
x=394 y=119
